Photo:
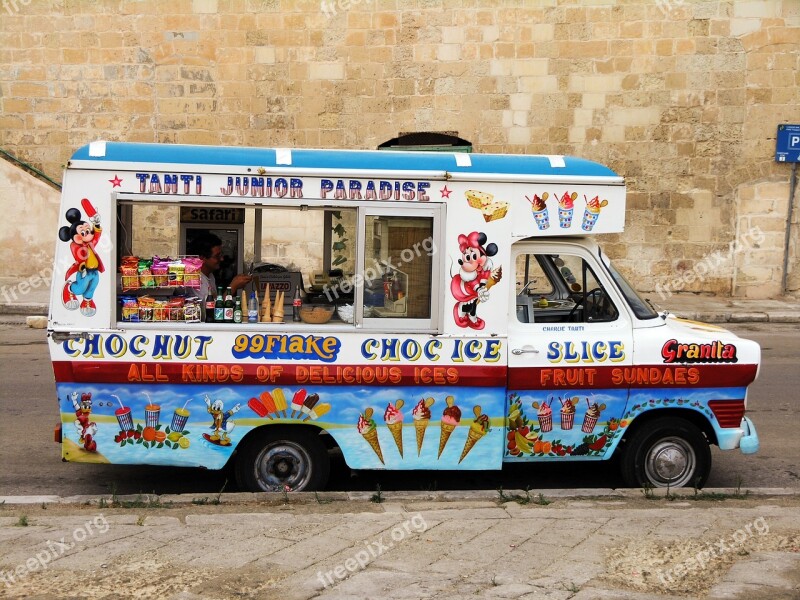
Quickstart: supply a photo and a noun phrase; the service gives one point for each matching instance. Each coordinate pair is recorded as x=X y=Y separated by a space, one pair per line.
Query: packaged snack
x=174 y=308
x=191 y=310
x=145 y=275
x=128 y=267
x=192 y=272
x=130 y=309
x=146 y=306
x=175 y=272
x=160 y=272
x=160 y=310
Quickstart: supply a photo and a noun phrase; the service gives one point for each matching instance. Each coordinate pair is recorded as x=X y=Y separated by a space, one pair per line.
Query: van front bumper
x=745 y=438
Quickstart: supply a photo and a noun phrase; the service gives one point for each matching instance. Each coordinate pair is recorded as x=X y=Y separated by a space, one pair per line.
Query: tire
x=279 y=458
x=666 y=452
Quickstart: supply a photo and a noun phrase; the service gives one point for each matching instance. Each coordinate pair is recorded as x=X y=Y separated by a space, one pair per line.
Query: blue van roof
x=507 y=164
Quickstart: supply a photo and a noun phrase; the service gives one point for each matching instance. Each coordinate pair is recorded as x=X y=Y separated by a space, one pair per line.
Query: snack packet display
x=160 y=270
x=191 y=275
x=176 y=271
x=130 y=274
x=130 y=309
x=145 y=274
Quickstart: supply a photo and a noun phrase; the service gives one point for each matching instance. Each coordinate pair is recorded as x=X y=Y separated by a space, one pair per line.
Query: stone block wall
x=682 y=97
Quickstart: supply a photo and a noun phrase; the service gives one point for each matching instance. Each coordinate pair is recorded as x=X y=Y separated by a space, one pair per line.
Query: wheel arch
x=692 y=416
x=276 y=428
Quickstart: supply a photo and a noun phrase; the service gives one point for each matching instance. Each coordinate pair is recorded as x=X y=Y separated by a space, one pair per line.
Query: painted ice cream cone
x=394 y=421
x=368 y=429
x=568 y=413
x=422 y=417
x=545 y=416
x=478 y=429
x=591 y=416
x=451 y=416
x=566 y=207
x=592 y=212
x=539 y=210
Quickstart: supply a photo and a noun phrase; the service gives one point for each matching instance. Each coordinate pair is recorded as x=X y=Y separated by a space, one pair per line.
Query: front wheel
x=667 y=452
x=283 y=460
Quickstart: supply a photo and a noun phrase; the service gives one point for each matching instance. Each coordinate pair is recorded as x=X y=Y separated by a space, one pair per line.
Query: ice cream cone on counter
x=266 y=307
x=421 y=415
x=478 y=429
x=394 y=421
x=451 y=416
x=277 y=311
x=368 y=429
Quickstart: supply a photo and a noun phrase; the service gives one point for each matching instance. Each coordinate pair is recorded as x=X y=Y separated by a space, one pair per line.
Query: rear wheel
x=666 y=452
x=277 y=460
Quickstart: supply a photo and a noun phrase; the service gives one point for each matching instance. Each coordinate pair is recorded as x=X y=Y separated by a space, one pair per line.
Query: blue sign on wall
x=787 y=143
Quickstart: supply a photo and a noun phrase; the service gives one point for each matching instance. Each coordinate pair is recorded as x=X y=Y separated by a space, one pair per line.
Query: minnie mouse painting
x=82 y=237
x=474 y=278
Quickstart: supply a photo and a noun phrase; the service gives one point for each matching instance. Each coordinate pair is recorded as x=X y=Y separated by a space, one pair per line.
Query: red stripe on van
x=630 y=376
x=278 y=373
x=729 y=413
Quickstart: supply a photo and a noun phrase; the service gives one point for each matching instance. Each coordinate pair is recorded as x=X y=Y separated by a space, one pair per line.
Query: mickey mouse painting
x=82 y=237
x=474 y=279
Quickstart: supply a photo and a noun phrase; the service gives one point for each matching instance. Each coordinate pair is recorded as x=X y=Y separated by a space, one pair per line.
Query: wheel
x=276 y=459
x=666 y=452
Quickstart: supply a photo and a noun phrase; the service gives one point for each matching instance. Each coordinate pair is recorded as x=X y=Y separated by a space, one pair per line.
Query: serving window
x=353 y=266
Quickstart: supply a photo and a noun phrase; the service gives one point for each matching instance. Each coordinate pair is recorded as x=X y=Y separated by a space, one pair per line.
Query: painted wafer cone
x=397 y=434
x=447 y=431
x=372 y=437
x=478 y=429
x=420 y=425
x=472 y=439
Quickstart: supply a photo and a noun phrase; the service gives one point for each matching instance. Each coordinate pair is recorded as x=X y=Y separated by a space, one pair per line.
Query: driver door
x=569 y=334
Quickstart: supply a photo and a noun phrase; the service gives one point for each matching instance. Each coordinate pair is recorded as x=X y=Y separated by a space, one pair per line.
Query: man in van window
x=209 y=248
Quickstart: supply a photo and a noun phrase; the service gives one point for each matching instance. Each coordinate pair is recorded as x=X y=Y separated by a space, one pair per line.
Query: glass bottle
x=297 y=304
x=237 y=311
x=252 y=313
x=228 y=306
x=210 y=308
x=219 y=307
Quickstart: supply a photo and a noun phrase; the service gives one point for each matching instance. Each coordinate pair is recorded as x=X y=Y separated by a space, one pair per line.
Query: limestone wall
x=681 y=97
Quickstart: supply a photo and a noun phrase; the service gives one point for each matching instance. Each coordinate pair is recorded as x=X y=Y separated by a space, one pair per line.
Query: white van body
x=477 y=323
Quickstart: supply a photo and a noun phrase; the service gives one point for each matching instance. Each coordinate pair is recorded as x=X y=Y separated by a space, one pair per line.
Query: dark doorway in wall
x=430 y=141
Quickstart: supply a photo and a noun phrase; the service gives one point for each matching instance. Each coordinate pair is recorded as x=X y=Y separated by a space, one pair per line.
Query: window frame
x=123 y=202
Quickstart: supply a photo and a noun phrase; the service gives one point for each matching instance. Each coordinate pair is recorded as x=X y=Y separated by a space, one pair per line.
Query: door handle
x=524 y=349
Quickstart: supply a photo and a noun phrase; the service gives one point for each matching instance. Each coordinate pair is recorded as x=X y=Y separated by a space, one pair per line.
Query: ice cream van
x=415 y=310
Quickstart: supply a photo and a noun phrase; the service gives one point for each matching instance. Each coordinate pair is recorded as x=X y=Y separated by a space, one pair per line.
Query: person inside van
x=209 y=248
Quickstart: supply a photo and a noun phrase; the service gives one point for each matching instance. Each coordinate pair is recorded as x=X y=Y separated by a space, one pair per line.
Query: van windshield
x=641 y=307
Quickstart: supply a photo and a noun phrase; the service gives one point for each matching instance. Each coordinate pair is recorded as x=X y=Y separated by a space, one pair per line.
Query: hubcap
x=283 y=465
x=671 y=461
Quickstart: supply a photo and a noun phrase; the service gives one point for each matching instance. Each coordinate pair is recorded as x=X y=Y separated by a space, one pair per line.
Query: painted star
x=116 y=182
x=445 y=192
